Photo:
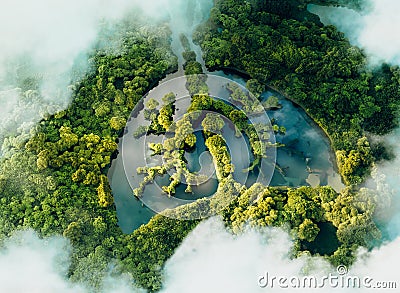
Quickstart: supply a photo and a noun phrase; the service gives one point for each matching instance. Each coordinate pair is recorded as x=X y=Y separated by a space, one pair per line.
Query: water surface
x=305 y=160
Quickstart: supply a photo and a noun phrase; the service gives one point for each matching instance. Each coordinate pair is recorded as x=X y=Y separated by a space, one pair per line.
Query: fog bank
x=31 y=264
x=211 y=259
x=375 y=29
x=46 y=46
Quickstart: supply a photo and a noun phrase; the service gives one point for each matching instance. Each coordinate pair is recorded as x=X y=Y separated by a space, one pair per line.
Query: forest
x=315 y=66
x=56 y=182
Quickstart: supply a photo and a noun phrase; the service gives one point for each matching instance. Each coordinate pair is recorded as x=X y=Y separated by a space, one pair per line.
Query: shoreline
x=323 y=131
x=243 y=74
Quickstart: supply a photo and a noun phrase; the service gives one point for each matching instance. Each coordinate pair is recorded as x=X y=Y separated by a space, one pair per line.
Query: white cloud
x=31 y=264
x=213 y=260
x=386 y=178
x=346 y=20
x=28 y=264
x=379 y=265
x=43 y=39
x=210 y=259
x=49 y=36
x=375 y=30
x=380 y=32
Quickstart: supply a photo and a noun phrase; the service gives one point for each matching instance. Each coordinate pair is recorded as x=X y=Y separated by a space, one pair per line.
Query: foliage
x=272 y=103
x=312 y=64
x=193 y=67
x=255 y=87
x=304 y=209
x=56 y=182
x=147 y=249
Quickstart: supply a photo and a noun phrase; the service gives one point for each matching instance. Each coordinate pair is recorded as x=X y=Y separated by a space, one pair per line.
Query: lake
x=305 y=160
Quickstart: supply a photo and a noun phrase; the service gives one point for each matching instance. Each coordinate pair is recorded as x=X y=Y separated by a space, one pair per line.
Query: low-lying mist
x=45 y=49
x=31 y=264
x=375 y=29
x=385 y=177
x=211 y=259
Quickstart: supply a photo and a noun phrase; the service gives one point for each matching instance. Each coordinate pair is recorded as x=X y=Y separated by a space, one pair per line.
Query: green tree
x=104 y=192
x=117 y=123
x=152 y=104
x=308 y=230
x=213 y=123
